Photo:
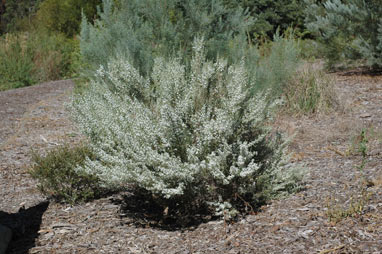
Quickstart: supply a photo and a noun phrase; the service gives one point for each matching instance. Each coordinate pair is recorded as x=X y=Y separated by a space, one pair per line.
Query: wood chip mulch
x=323 y=218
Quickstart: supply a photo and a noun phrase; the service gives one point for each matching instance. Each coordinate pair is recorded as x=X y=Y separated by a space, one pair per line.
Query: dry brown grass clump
x=311 y=90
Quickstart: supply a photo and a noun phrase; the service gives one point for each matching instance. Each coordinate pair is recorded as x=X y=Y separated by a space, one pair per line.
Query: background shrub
x=57 y=176
x=32 y=57
x=189 y=134
x=64 y=16
x=38 y=43
x=16 y=62
x=349 y=30
x=144 y=29
x=277 y=64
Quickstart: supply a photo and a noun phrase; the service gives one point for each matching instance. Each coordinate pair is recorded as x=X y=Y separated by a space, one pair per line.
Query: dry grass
x=311 y=90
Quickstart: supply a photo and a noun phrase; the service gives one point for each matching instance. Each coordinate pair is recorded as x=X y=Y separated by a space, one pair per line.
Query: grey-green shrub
x=141 y=30
x=276 y=67
x=349 y=30
x=193 y=133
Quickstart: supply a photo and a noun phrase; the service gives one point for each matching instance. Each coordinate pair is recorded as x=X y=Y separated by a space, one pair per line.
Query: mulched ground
x=35 y=118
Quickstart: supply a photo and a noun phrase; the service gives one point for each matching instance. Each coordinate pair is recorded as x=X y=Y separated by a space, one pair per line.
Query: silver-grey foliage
x=192 y=132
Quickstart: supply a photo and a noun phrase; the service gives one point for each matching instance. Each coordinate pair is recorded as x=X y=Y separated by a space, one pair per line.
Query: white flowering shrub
x=191 y=134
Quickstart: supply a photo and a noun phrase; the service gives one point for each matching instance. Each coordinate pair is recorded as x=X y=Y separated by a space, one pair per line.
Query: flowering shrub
x=188 y=133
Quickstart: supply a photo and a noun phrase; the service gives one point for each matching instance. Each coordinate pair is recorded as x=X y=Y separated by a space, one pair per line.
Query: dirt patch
x=35 y=117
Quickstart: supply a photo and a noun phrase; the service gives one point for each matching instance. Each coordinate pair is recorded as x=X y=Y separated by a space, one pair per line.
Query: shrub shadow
x=362 y=72
x=143 y=211
x=25 y=225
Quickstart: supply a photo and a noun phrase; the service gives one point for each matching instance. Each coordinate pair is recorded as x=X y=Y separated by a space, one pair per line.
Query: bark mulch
x=331 y=215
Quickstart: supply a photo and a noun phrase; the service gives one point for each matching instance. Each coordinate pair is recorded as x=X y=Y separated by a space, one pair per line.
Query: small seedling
x=363 y=143
x=336 y=212
x=356 y=206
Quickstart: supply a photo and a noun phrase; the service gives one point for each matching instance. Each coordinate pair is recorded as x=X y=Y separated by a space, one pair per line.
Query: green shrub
x=16 y=62
x=348 y=30
x=52 y=56
x=64 y=16
x=57 y=176
x=190 y=135
x=33 y=57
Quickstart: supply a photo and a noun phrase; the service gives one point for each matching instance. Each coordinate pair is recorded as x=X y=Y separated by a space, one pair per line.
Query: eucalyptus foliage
x=349 y=30
x=194 y=133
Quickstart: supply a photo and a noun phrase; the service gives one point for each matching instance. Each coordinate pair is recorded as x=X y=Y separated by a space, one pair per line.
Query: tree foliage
x=64 y=16
x=349 y=30
x=270 y=15
x=14 y=11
